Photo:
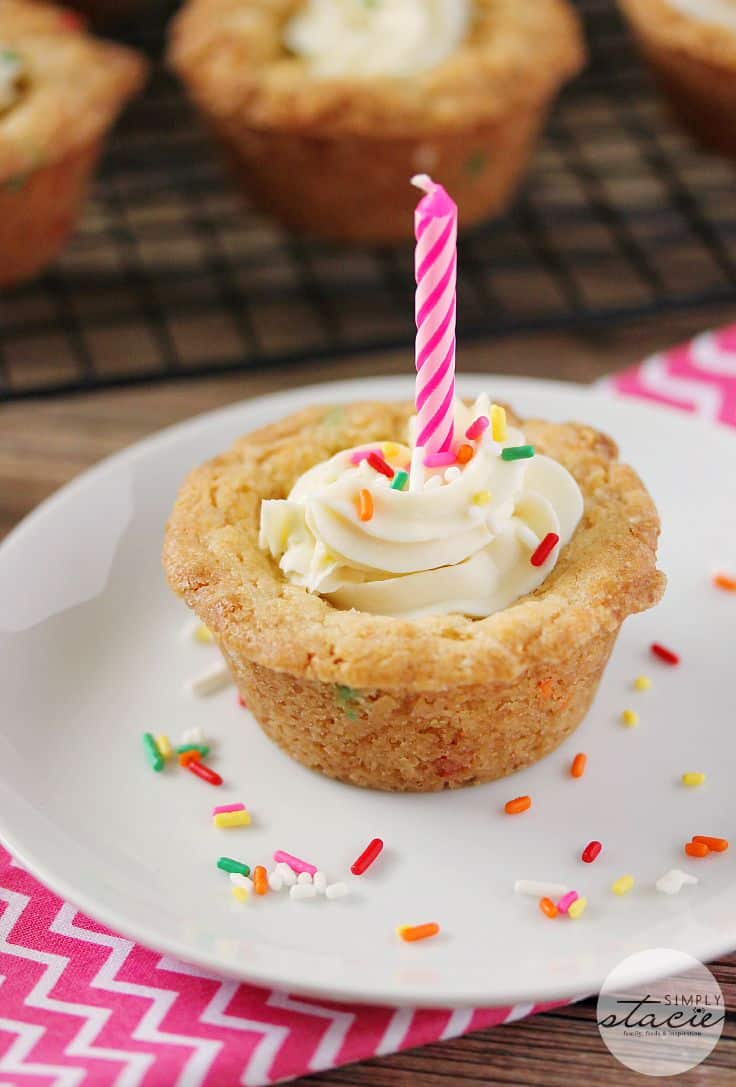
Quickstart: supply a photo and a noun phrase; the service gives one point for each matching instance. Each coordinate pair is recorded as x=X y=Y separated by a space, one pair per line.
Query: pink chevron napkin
x=82 y=1006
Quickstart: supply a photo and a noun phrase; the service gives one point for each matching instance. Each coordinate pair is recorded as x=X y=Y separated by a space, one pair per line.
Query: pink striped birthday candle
x=435 y=265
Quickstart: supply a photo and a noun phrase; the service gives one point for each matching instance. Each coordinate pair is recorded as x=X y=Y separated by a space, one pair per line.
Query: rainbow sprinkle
x=154 y=755
x=517 y=452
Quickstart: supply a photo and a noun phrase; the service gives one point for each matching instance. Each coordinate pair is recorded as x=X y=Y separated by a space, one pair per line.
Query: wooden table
x=45 y=443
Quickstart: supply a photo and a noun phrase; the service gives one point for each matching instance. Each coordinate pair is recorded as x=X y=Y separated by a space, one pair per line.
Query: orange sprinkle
x=260 y=880
x=189 y=756
x=578 y=765
x=365 y=505
x=716 y=845
x=697 y=849
x=410 y=933
x=723 y=581
x=518 y=804
x=545 y=689
x=548 y=907
x=464 y=454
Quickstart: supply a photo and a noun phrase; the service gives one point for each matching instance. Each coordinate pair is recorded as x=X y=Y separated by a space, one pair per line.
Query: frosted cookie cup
x=398 y=703
x=60 y=91
x=690 y=45
x=325 y=107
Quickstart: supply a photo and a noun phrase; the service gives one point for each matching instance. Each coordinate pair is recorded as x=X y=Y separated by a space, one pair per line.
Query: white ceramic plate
x=91 y=655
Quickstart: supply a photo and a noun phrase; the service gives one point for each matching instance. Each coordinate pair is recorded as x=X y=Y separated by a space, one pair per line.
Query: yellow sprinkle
x=239 y=893
x=390 y=449
x=164 y=746
x=202 y=635
x=225 y=819
x=482 y=498
x=577 y=907
x=623 y=885
x=693 y=778
x=498 y=423
x=630 y=718
x=642 y=683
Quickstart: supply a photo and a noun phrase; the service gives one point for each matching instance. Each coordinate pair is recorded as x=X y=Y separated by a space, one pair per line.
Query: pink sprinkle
x=242 y=702
x=439 y=460
x=567 y=900
x=363 y=454
x=293 y=862
x=477 y=427
x=228 y=807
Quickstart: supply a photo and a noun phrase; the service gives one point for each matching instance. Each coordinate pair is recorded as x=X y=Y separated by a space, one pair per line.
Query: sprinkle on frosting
x=468 y=537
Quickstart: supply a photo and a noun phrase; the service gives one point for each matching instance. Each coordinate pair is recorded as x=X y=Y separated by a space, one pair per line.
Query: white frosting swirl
x=459 y=541
x=365 y=38
x=719 y=12
x=11 y=76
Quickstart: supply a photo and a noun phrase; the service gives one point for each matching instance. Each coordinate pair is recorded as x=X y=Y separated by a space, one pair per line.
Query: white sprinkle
x=214 y=679
x=452 y=473
x=336 y=890
x=304 y=877
x=527 y=536
x=433 y=483
x=288 y=875
x=477 y=513
x=192 y=736
x=672 y=882
x=275 y=880
x=416 y=470
x=303 y=890
x=539 y=889
x=241 y=881
x=320 y=882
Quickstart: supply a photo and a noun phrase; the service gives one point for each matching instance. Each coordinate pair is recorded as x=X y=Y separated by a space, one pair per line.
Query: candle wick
x=423 y=181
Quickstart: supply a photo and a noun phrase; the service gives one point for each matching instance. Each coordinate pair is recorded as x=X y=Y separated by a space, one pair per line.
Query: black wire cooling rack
x=169 y=275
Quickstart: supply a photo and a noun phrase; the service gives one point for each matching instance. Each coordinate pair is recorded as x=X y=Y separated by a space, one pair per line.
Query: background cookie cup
x=69 y=90
x=331 y=156
x=417 y=705
x=695 y=64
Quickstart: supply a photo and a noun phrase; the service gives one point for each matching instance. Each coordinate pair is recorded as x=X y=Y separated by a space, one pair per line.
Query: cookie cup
x=694 y=63
x=416 y=705
x=332 y=157
x=73 y=88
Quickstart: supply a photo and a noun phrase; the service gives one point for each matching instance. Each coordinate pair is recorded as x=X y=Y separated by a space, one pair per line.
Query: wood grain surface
x=45 y=443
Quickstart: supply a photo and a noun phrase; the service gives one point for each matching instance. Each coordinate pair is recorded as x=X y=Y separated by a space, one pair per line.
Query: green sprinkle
x=15 y=183
x=8 y=56
x=476 y=163
x=345 y=697
x=203 y=749
x=154 y=755
x=399 y=481
x=517 y=452
x=227 y=864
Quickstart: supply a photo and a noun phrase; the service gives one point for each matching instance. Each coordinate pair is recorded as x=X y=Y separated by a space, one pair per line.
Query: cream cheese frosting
x=721 y=13
x=12 y=71
x=453 y=539
x=365 y=38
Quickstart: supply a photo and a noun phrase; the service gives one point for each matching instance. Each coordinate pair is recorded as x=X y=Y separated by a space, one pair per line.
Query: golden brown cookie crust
x=230 y=54
x=670 y=29
x=212 y=560
x=76 y=86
